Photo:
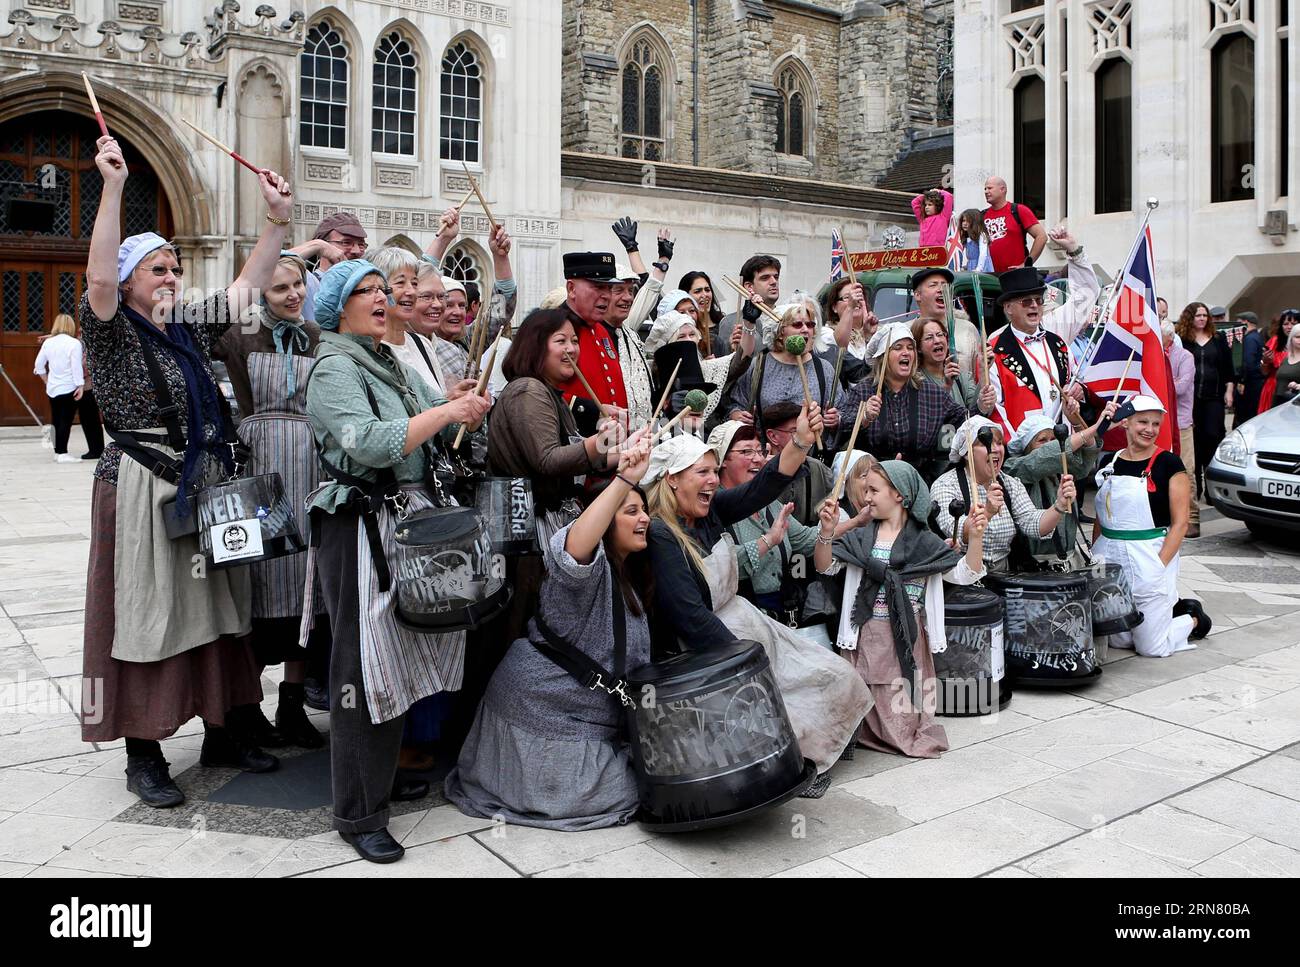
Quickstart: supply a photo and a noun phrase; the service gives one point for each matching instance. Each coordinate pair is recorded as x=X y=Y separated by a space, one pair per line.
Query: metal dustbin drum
x=245 y=520
x=711 y=741
x=970 y=671
x=1048 y=628
x=447 y=576
x=506 y=506
x=1113 y=607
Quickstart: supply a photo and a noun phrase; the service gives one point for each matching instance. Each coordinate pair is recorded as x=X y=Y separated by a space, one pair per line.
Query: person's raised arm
x=448 y=229
x=101 y=266
x=801 y=441
x=586 y=533
x=255 y=278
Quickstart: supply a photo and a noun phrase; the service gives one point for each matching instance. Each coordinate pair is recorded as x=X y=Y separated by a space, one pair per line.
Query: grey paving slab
x=1255 y=858
x=531 y=850
x=928 y=789
x=639 y=861
x=1256 y=811
x=458 y=857
x=790 y=835
x=964 y=843
x=1098 y=854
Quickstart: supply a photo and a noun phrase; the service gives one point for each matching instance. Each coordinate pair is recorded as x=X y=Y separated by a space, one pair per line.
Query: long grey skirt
x=507 y=772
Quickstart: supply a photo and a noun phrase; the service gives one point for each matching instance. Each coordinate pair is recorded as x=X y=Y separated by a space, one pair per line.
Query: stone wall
x=873 y=71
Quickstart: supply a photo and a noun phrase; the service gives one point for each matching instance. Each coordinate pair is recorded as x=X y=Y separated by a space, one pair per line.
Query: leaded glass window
x=393 y=114
x=643 y=104
x=460 y=106
x=324 y=99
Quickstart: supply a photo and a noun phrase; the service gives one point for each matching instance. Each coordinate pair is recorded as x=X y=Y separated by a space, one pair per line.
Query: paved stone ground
x=1182 y=767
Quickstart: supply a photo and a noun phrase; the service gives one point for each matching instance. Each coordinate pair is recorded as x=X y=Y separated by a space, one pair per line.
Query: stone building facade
x=866 y=74
x=1089 y=108
x=751 y=125
x=376 y=143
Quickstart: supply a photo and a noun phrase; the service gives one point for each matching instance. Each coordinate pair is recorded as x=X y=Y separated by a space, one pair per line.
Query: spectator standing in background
x=1252 y=377
x=59 y=365
x=1010 y=227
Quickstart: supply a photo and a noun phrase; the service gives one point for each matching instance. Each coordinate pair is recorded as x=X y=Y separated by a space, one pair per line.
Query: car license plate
x=1282 y=488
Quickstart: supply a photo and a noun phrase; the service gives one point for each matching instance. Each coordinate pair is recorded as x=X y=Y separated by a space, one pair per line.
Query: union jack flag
x=956 y=251
x=1133 y=332
x=840 y=265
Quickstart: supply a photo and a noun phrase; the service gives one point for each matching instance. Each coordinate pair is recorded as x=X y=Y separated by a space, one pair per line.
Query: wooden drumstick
x=583 y=379
x=481 y=200
x=94 y=105
x=744 y=294
x=796 y=346
x=848 y=453
x=224 y=147
x=481 y=388
x=663 y=400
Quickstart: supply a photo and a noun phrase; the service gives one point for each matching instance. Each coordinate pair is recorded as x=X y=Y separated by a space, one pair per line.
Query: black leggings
x=62 y=409
x=1207 y=432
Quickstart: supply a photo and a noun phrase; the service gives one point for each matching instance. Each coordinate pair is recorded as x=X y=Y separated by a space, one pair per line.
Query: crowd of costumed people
x=625 y=556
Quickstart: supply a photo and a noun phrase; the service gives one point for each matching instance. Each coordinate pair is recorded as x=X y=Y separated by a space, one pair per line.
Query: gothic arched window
x=460 y=106
x=323 y=68
x=791 y=114
x=461 y=264
x=393 y=113
x=643 y=103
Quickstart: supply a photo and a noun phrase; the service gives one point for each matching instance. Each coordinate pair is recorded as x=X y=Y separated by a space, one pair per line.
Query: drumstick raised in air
x=744 y=294
x=481 y=200
x=94 y=105
x=224 y=147
x=481 y=388
x=796 y=346
x=663 y=400
x=696 y=401
x=975 y=501
x=848 y=453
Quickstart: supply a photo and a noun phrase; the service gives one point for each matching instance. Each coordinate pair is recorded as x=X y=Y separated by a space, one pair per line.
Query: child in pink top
x=933 y=211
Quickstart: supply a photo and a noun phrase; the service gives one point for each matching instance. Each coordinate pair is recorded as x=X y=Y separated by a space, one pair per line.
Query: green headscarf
x=904 y=478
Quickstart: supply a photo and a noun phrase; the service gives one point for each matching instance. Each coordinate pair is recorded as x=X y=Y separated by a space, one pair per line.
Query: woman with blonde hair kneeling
x=696 y=577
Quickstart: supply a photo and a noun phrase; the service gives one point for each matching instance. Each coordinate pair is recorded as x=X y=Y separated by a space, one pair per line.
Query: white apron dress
x=1131 y=539
x=824 y=697
x=279 y=440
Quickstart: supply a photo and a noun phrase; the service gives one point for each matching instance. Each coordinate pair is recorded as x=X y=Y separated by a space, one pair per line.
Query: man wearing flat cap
x=338 y=237
x=588 y=281
x=929 y=293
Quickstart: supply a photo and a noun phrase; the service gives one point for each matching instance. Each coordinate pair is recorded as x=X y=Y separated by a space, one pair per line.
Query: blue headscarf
x=336 y=286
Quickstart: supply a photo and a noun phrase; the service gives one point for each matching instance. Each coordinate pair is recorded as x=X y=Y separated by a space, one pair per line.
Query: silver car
x=1255 y=474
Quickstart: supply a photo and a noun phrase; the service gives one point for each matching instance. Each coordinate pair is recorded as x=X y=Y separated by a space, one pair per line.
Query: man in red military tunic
x=1032 y=364
x=589 y=277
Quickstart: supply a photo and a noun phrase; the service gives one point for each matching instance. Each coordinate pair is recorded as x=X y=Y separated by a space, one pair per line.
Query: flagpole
x=1152 y=204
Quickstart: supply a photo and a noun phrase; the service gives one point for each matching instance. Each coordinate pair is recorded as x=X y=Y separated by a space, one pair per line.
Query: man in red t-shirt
x=1007 y=234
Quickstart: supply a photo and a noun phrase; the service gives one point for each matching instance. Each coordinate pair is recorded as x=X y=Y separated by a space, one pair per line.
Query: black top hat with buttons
x=594 y=266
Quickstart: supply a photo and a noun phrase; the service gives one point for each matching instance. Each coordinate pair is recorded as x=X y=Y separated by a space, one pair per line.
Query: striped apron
x=279 y=439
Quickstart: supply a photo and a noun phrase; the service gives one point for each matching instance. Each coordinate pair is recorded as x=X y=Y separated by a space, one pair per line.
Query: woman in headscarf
x=268 y=357
x=906 y=417
x=720 y=371
x=897 y=607
x=769 y=540
x=163 y=638
x=376 y=425
x=696 y=576
x=1034 y=458
x=1143 y=509
x=1007 y=507
x=544 y=750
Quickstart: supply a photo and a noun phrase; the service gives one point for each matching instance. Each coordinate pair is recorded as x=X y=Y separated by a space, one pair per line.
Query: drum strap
x=588 y=672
